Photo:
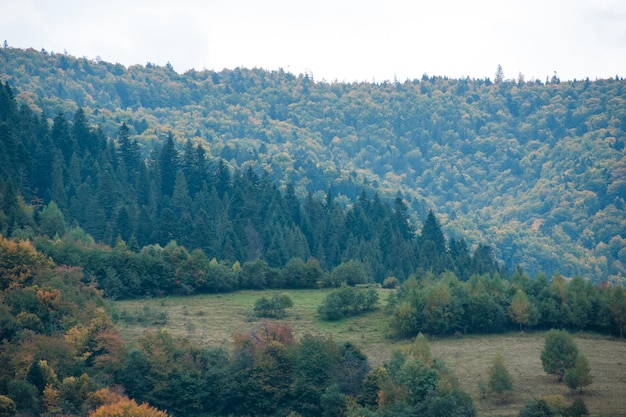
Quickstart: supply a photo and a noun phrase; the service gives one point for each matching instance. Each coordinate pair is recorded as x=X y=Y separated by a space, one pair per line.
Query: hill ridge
x=537 y=169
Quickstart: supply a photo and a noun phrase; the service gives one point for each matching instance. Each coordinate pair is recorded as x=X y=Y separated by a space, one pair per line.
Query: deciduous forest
x=487 y=205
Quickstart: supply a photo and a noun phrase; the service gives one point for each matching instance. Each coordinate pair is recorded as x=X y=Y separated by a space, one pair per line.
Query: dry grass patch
x=470 y=357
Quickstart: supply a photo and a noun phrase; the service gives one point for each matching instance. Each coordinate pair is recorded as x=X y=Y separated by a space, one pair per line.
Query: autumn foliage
x=127 y=408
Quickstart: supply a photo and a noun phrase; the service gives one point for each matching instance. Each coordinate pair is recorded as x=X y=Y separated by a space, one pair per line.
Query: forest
x=534 y=167
x=488 y=206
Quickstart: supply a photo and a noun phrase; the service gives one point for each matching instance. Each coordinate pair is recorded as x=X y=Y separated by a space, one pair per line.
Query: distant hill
x=536 y=169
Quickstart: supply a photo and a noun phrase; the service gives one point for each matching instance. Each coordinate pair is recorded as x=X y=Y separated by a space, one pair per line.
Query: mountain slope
x=536 y=169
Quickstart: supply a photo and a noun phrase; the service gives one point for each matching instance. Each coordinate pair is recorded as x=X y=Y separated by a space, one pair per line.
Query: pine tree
x=168 y=165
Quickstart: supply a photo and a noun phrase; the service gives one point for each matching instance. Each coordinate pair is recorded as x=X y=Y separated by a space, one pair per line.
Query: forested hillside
x=536 y=169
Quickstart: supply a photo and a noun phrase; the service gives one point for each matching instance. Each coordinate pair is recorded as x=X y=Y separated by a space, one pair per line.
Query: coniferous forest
x=490 y=205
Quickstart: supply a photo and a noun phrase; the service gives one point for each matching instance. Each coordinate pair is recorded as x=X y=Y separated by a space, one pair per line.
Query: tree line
x=490 y=303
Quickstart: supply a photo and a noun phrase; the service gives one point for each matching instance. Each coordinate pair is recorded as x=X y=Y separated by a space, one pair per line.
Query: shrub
x=348 y=301
x=274 y=307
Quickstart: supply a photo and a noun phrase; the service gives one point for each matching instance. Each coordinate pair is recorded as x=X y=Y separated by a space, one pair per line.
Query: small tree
x=580 y=375
x=520 y=310
x=421 y=349
x=500 y=382
x=559 y=353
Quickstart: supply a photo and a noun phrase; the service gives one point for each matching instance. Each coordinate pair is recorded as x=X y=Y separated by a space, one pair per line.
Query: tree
x=333 y=401
x=559 y=353
x=7 y=406
x=128 y=151
x=417 y=379
x=351 y=272
x=519 y=310
x=420 y=349
x=127 y=408
x=168 y=165
x=617 y=306
x=500 y=382
x=499 y=75
x=579 y=376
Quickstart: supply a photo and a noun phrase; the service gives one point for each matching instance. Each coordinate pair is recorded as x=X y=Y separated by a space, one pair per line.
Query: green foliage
x=578 y=376
x=559 y=353
x=274 y=307
x=386 y=137
x=349 y=273
x=333 y=402
x=538 y=408
x=348 y=301
x=500 y=382
x=520 y=310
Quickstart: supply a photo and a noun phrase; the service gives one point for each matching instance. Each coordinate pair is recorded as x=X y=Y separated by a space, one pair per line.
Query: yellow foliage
x=127 y=408
x=51 y=398
x=19 y=261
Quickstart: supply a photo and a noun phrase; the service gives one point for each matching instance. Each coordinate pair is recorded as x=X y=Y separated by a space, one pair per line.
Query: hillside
x=535 y=169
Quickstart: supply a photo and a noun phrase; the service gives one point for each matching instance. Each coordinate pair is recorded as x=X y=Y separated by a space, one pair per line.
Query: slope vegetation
x=537 y=169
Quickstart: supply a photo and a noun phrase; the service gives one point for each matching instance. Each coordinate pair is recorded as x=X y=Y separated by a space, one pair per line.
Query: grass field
x=211 y=320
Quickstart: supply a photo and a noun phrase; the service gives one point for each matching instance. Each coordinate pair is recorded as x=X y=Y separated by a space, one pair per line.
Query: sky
x=335 y=40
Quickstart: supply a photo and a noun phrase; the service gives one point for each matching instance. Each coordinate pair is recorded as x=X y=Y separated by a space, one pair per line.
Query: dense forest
x=534 y=167
x=137 y=182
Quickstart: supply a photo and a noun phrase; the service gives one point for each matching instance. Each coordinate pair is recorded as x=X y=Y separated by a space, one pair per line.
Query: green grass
x=211 y=320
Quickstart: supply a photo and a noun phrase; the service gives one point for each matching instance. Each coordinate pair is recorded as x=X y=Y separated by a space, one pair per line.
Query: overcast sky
x=344 y=40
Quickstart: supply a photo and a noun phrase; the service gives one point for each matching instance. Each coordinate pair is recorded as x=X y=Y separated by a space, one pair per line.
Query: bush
x=274 y=307
x=348 y=301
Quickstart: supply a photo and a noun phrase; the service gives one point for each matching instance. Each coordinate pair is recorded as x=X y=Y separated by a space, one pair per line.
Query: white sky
x=344 y=40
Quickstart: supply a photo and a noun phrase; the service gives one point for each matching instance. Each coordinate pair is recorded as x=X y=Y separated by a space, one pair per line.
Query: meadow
x=212 y=320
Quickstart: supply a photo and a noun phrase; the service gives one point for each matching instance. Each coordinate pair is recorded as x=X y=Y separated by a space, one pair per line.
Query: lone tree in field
x=579 y=376
x=500 y=382
x=559 y=353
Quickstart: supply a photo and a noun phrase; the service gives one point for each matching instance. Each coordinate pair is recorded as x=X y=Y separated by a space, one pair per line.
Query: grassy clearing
x=211 y=320
x=471 y=356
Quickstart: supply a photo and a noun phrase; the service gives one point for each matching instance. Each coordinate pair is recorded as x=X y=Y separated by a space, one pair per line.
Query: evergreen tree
x=168 y=165
x=128 y=152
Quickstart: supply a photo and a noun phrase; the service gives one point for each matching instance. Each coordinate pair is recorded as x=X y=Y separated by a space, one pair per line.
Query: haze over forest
x=533 y=169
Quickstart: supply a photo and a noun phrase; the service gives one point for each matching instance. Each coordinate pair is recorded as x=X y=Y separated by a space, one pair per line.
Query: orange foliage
x=49 y=299
x=270 y=332
x=127 y=408
x=106 y=396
